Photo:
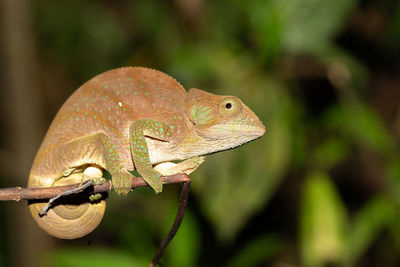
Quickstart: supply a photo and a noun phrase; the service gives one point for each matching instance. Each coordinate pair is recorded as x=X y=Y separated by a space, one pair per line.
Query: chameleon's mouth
x=156 y=139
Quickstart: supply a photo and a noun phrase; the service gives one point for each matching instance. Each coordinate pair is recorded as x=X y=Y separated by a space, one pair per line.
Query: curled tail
x=74 y=219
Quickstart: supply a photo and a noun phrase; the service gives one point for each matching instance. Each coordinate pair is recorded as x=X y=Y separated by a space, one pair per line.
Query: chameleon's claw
x=99 y=181
x=153 y=179
x=95 y=197
x=122 y=182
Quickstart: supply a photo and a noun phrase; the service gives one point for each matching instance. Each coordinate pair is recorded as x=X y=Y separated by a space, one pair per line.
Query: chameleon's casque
x=127 y=119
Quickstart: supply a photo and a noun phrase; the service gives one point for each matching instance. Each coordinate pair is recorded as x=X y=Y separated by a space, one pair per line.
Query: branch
x=20 y=193
x=54 y=193
x=178 y=220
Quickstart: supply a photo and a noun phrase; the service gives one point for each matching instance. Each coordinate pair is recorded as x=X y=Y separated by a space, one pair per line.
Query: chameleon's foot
x=122 y=182
x=187 y=166
x=95 y=197
x=95 y=174
x=99 y=181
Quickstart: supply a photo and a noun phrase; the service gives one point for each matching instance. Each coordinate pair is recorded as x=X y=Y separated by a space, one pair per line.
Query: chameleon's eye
x=230 y=106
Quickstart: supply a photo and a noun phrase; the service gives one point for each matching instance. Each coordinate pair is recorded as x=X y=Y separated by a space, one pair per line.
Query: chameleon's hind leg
x=94 y=151
x=187 y=166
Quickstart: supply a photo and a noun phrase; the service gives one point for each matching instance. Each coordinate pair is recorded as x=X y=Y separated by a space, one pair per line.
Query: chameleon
x=126 y=119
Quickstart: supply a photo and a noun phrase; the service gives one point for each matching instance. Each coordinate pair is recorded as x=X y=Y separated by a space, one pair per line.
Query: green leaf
x=267 y=28
x=310 y=25
x=322 y=222
x=299 y=26
x=84 y=257
x=258 y=250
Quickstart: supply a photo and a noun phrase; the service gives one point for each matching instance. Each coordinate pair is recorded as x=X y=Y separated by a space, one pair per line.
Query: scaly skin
x=136 y=118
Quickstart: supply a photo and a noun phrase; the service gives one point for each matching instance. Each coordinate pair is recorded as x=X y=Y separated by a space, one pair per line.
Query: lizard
x=131 y=118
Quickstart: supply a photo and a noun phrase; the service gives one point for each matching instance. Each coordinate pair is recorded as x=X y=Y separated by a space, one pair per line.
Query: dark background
x=321 y=188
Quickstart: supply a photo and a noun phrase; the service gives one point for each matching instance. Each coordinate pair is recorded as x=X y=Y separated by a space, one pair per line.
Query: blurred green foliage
x=242 y=48
x=100 y=257
x=322 y=223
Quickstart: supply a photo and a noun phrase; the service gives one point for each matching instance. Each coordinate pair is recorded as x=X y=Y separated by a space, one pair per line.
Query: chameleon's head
x=224 y=121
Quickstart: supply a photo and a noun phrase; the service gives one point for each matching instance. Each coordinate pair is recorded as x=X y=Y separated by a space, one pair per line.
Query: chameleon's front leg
x=140 y=152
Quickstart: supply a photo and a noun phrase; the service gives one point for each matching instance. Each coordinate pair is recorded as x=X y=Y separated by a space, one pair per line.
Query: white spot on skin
x=120 y=103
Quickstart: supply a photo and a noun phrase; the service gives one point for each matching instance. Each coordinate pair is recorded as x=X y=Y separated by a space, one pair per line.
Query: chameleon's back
x=107 y=104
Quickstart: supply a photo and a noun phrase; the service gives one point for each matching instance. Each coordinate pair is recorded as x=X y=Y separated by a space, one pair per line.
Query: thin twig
x=19 y=193
x=80 y=189
x=178 y=220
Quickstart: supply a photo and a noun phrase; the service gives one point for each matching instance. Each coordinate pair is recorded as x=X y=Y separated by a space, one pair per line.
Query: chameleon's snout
x=258 y=128
x=255 y=126
x=261 y=129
